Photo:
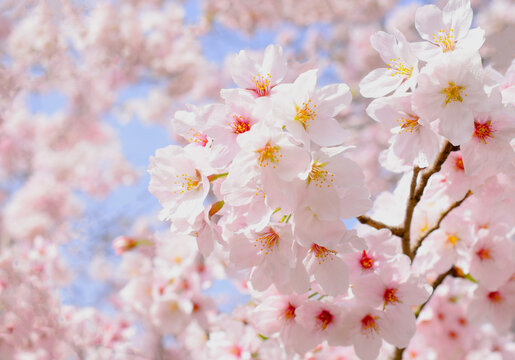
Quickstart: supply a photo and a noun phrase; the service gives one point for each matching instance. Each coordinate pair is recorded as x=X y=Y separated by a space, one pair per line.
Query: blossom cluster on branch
x=367 y=220
x=271 y=163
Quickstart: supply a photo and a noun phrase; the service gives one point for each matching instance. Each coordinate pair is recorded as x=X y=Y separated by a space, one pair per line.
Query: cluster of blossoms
x=62 y=66
x=268 y=186
x=271 y=163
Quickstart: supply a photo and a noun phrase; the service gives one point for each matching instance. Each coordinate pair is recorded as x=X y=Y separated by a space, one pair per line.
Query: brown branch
x=437 y=226
x=417 y=190
x=453 y=271
x=424 y=178
x=379 y=225
x=406 y=249
x=398 y=354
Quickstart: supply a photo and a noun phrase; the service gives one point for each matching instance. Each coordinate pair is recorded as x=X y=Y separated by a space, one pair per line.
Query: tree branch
x=406 y=248
x=437 y=226
x=453 y=271
x=424 y=178
x=379 y=225
x=416 y=192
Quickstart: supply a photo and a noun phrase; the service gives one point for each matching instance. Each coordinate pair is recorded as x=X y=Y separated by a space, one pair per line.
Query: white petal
x=379 y=82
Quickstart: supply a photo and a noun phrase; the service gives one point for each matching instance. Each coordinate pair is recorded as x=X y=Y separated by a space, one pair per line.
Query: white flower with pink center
x=366 y=328
x=237 y=116
x=496 y=305
x=412 y=142
x=270 y=254
x=452 y=179
x=334 y=187
x=191 y=124
x=449 y=245
x=259 y=76
x=381 y=248
x=309 y=112
x=276 y=315
x=392 y=288
x=489 y=150
x=177 y=183
x=323 y=257
x=271 y=156
x=491 y=260
x=322 y=320
x=451 y=91
x=402 y=70
x=446 y=30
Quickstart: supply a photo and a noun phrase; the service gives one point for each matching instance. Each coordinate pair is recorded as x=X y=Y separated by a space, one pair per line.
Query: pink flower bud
x=123 y=243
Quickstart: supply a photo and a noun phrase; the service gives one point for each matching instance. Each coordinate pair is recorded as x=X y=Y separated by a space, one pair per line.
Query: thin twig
x=379 y=225
x=437 y=226
x=453 y=271
x=426 y=174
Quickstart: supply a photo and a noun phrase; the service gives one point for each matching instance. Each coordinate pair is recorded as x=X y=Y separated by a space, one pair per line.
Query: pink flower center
x=268 y=155
x=366 y=261
x=198 y=138
x=184 y=182
x=325 y=318
x=483 y=254
x=319 y=176
x=390 y=296
x=236 y=351
x=495 y=297
x=262 y=84
x=409 y=123
x=240 y=124
x=267 y=241
x=483 y=131
x=322 y=253
x=459 y=164
x=289 y=313
x=368 y=323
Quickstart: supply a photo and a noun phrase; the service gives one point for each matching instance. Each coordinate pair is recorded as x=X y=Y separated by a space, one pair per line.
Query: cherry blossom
x=344 y=226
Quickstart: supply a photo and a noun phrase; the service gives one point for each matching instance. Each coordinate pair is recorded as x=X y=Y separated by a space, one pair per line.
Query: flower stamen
x=444 y=39
x=322 y=253
x=267 y=241
x=240 y=124
x=483 y=131
x=262 y=84
x=453 y=93
x=184 y=182
x=318 y=175
x=400 y=68
x=268 y=155
x=305 y=113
